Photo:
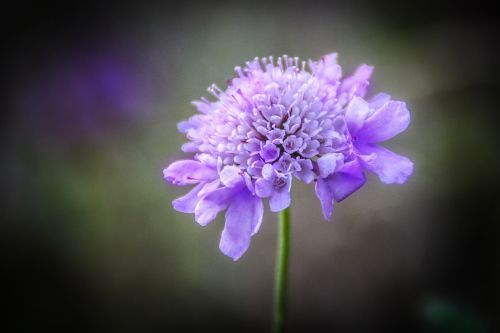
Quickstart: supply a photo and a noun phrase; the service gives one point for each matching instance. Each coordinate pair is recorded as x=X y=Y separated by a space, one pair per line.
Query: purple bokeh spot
x=88 y=95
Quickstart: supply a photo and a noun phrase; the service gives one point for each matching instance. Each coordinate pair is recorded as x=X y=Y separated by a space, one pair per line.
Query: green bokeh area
x=91 y=243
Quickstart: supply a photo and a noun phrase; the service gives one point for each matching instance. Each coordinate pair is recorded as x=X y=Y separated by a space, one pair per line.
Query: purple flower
x=275 y=185
x=277 y=120
x=269 y=152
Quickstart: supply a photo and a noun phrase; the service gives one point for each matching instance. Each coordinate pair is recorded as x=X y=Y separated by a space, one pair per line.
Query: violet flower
x=280 y=120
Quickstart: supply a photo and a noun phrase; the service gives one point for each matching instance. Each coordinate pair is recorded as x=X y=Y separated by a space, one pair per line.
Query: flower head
x=280 y=120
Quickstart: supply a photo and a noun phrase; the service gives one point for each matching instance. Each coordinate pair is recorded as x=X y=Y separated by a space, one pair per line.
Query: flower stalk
x=281 y=278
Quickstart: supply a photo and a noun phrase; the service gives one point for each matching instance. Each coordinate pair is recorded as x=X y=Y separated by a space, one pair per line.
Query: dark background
x=88 y=239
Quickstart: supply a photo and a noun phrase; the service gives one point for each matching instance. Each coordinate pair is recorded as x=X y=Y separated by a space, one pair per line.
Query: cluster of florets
x=279 y=120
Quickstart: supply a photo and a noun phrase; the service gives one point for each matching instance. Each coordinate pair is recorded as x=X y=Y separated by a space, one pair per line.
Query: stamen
x=238 y=70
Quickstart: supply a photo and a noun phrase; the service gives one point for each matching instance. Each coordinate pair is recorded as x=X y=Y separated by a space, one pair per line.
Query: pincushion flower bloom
x=280 y=121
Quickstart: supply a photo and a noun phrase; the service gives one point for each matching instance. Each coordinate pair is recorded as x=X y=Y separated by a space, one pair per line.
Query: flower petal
x=327 y=164
x=210 y=205
x=346 y=180
x=328 y=68
x=230 y=175
x=188 y=202
x=190 y=147
x=356 y=112
x=386 y=122
x=263 y=188
x=357 y=84
x=279 y=200
x=267 y=171
x=325 y=196
x=269 y=152
x=209 y=187
x=207 y=159
x=249 y=184
x=243 y=219
x=259 y=212
x=379 y=100
x=390 y=167
x=305 y=173
x=186 y=172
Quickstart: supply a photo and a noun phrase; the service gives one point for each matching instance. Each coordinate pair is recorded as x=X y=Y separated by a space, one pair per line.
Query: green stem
x=281 y=279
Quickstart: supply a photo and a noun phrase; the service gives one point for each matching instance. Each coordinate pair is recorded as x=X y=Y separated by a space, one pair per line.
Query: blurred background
x=89 y=241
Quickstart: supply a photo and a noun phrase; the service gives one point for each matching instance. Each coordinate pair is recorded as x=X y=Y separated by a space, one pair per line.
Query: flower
x=279 y=120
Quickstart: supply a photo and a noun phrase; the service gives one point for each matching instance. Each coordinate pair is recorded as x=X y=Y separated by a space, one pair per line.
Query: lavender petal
x=243 y=219
x=390 y=167
x=187 y=172
x=188 y=202
x=325 y=196
x=386 y=122
x=347 y=180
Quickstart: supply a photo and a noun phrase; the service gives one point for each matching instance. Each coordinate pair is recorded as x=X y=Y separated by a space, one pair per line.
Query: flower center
x=279 y=182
